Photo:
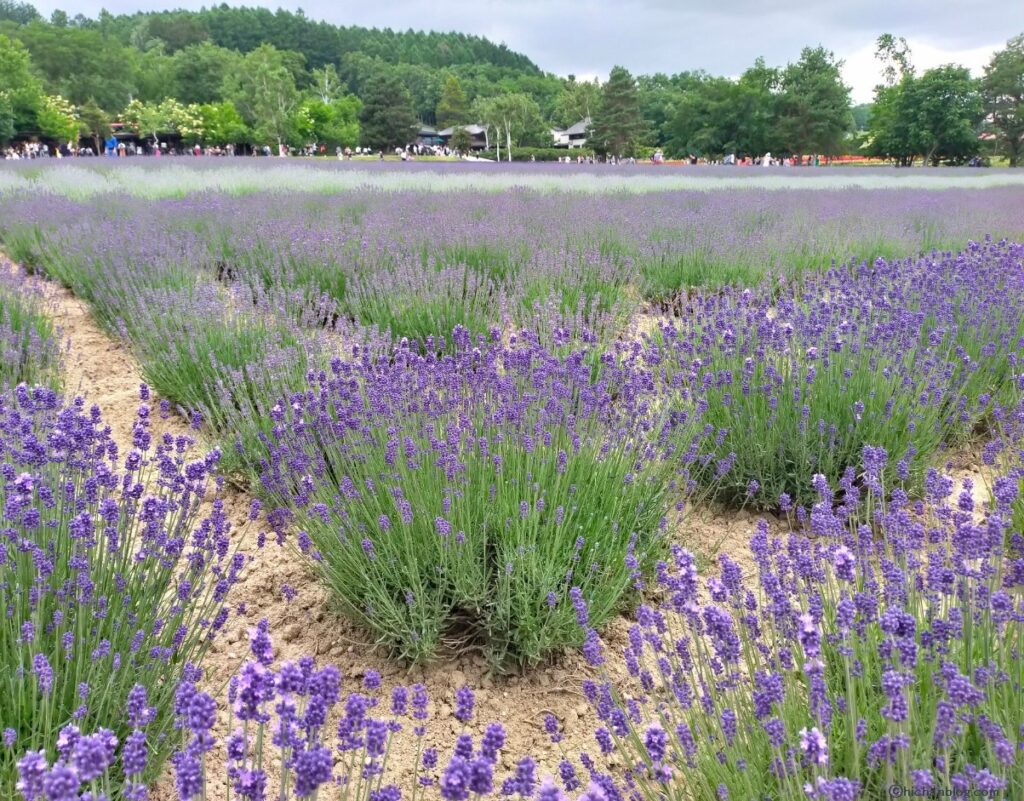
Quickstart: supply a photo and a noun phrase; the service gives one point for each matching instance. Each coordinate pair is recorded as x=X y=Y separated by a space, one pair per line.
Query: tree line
x=232 y=75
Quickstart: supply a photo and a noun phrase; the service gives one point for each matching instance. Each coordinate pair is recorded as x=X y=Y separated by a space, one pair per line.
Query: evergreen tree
x=814 y=105
x=387 y=119
x=617 y=126
x=452 y=108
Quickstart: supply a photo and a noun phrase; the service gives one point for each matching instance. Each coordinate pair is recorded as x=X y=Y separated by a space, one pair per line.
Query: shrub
x=878 y=354
x=279 y=743
x=857 y=663
x=111 y=583
x=464 y=495
x=539 y=153
x=29 y=347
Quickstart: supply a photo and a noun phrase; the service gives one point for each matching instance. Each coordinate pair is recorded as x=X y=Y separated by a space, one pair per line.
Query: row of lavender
x=467 y=475
x=516 y=487
x=879 y=647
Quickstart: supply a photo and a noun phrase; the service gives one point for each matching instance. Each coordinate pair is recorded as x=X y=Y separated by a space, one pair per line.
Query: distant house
x=477 y=135
x=573 y=136
x=427 y=135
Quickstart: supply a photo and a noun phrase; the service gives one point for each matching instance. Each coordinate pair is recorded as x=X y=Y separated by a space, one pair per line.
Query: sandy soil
x=105 y=373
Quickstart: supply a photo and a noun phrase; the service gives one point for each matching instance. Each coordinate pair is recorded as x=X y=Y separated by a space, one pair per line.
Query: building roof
x=579 y=128
x=472 y=130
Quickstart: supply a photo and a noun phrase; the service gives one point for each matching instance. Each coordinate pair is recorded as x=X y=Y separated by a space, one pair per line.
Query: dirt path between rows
x=105 y=373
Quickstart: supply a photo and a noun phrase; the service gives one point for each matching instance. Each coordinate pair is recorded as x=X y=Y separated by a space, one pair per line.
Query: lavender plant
x=29 y=346
x=111 y=583
x=866 y=656
x=464 y=495
x=905 y=355
x=279 y=742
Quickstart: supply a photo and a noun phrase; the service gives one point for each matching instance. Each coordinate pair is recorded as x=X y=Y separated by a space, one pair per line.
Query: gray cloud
x=588 y=37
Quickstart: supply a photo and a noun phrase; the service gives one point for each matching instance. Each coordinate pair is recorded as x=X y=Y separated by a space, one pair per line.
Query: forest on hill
x=238 y=74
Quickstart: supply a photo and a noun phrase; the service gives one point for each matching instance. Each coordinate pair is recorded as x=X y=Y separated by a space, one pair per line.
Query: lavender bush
x=465 y=495
x=111 y=582
x=29 y=346
x=868 y=655
x=280 y=742
x=906 y=355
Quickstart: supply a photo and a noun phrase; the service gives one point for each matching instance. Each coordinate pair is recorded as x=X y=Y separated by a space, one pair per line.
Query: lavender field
x=413 y=500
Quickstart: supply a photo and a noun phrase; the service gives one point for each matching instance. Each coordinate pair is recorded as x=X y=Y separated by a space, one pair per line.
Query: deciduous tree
x=1003 y=93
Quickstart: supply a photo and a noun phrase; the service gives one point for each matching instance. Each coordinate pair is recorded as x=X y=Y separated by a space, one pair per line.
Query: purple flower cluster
x=532 y=489
x=858 y=659
x=109 y=579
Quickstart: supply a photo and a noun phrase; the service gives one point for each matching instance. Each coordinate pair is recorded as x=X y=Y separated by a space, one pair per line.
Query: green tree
x=387 y=119
x=154 y=75
x=81 y=63
x=94 y=123
x=461 y=140
x=617 y=125
x=514 y=116
x=56 y=119
x=200 y=71
x=170 y=116
x=947 y=109
x=18 y=13
x=813 y=111
x=222 y=124
x=577 y=101
x=1002 y=89
x=892 y=127
x=262 y=87
x=452 y=107
x=326 y=84
x=21 y=94
x=895 y=56
x=333 y=124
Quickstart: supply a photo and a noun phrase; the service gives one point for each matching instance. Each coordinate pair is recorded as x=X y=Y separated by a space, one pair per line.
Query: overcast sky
x=588 y=37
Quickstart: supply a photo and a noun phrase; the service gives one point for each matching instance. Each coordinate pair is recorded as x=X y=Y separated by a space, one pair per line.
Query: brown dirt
x=104 y=371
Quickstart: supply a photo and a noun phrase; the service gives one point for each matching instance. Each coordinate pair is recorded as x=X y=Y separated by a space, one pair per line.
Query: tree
x=577 y=101
x=18 y=13
x=94 y=123
x=814 y=104
x=81 y=63
x=895 y=57
x=514 y=115
x=617 y=125
x=333 y=124
x=947 y=108
x=452 y=108
x=262 y=87
x=200 y=71
x=461 y=140
x=170 y=116
x=56 y=119
x=387 y=117
x=222 y=124
x=1002 y=89
x=21 y=94
x=934 y=116
x=326 y=84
